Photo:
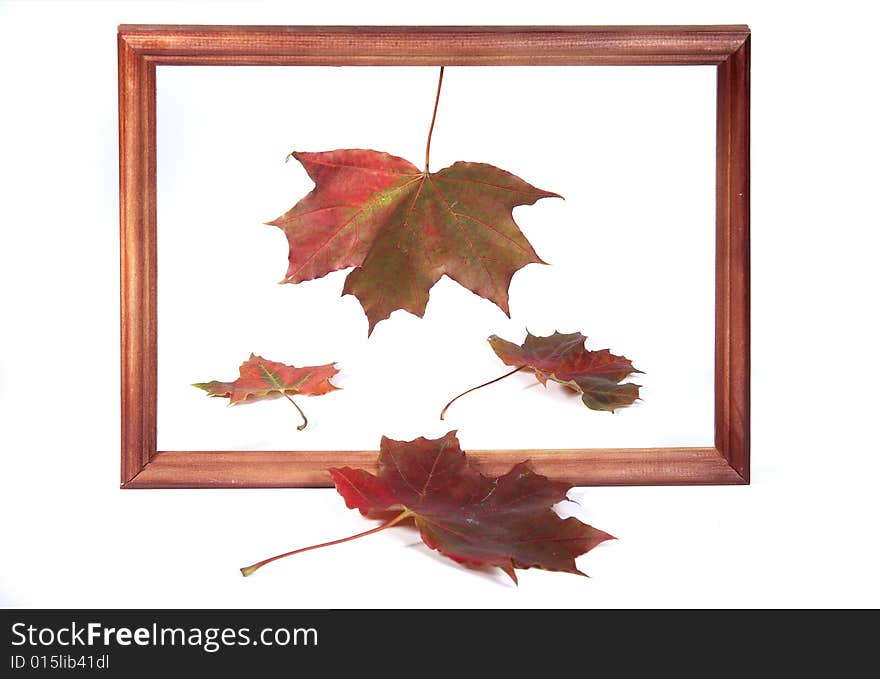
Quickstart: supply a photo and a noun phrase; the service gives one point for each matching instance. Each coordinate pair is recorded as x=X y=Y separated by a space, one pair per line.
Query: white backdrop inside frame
x=630 y=253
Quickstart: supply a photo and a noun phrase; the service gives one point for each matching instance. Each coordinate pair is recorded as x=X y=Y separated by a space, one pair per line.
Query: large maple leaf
x=260 y=379
x=404 y=228
x=506 y=521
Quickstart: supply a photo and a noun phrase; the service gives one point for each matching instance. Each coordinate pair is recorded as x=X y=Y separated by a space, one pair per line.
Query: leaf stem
x=433 y=118
x=480 y=386
x=302 y=414
x=249 y=570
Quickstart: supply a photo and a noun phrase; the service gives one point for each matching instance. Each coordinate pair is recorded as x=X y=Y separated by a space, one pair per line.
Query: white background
x=630 y=251
x=803 y=534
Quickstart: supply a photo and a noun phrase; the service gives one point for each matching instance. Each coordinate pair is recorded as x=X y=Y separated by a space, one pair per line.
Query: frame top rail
x=436 y=45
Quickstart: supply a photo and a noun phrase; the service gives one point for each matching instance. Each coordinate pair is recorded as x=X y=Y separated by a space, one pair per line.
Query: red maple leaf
x=403 y=228
x=260 y=379
x=564 y=358
x=508 y=521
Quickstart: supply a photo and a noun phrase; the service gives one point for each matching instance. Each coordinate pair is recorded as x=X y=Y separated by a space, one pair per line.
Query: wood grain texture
x=142 y=48
x=442 y=45
x=137 y=220
x=732 y=324
x=263 y=469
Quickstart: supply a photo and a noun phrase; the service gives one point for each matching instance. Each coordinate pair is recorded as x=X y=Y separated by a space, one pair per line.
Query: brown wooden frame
x=142 y=48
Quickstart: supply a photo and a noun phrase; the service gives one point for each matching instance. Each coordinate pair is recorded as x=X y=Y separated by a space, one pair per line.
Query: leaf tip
x=511 y=573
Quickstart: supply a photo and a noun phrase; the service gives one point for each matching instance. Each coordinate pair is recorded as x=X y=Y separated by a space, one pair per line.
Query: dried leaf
x=260 y=379
x=506 y=521
x=565 y=359
x=403 y=228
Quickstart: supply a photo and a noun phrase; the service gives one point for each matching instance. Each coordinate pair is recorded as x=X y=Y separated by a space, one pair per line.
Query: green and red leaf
x=260 y=379
x=563 y=358
x=403 y=229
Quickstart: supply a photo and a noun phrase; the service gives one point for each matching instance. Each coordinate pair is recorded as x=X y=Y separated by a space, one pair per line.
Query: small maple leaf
x=404 y=228
x=563 y=358
x=260 y=379
x=508 y=521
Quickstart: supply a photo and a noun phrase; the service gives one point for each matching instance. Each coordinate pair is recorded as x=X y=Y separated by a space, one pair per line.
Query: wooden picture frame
x=143 y=47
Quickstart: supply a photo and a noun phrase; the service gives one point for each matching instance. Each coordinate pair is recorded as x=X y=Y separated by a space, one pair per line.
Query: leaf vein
x=536 y=192
x=340 y=229
x=364 y=169
x=493 y=229
x=465 y=235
